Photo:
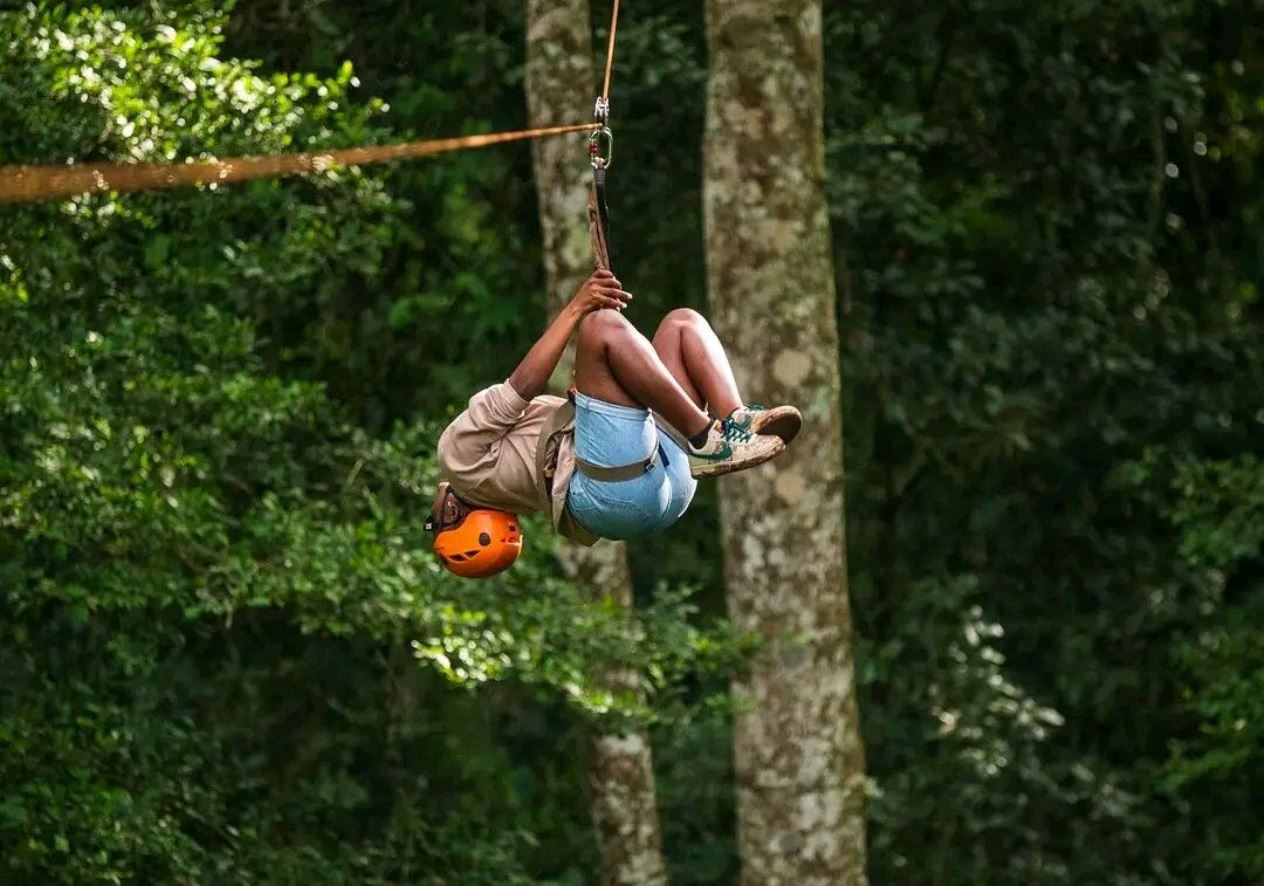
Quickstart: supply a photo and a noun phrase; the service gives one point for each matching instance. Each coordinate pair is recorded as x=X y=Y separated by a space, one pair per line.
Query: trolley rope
x=27 y=183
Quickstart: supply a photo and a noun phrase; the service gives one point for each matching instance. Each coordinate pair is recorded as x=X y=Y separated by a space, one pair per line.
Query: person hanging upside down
x=648 y=419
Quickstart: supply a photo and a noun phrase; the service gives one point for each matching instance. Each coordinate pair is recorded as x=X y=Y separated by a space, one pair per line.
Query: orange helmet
x=472 y=542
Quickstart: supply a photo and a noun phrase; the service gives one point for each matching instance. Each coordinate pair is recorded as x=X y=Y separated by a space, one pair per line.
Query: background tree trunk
x=798 y=755
x=559 y=87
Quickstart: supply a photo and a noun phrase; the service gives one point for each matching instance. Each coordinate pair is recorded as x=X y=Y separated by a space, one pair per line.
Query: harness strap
x=619 y=474
x=562 y=419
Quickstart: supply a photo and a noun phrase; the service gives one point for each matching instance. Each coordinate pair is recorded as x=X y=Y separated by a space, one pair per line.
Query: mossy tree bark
x=560 y=86
x=798 y=755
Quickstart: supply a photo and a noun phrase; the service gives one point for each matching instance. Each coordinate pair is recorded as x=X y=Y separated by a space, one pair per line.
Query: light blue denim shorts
x=610 y=436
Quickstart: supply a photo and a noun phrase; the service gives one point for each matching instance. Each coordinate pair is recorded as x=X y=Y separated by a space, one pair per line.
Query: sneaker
x=780 y=421
x=729 y=448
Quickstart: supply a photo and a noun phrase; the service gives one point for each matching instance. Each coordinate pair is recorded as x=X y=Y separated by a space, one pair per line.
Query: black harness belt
x=619 y=474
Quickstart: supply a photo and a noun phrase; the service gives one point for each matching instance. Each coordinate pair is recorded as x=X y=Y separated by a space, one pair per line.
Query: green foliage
x=1031 y=216
x=1217 y=767
x=226 y=655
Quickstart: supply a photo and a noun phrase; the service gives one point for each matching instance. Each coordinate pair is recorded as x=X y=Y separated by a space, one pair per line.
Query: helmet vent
x=485 y=543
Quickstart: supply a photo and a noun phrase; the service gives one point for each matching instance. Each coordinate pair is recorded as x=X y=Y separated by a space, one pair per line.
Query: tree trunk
x=622 y=800
x=799 y=760
x=559 y=87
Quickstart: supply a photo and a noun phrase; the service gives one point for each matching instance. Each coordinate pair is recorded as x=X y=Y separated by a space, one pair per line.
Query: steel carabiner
x=599 y=159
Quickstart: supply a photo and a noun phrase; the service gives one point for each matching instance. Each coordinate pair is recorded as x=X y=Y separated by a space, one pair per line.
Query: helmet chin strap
x=447 y=510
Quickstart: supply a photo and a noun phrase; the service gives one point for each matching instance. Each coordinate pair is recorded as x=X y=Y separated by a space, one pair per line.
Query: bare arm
x=601 y=290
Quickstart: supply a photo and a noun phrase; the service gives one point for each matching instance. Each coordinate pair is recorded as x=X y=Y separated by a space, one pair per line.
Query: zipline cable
x=598 y=213
x=27 y=183
x=614 y=28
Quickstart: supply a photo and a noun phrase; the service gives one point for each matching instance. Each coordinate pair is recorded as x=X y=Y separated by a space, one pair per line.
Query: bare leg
x=692 y=352
x=615 y=363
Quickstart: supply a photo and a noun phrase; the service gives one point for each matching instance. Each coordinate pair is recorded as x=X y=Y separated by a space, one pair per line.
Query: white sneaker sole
x=699 y=469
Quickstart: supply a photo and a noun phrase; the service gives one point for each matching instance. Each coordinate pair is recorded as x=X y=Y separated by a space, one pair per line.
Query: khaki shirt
x=488 y=454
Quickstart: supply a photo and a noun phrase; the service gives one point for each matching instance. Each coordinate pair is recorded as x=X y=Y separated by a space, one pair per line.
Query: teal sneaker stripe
x=724 y=452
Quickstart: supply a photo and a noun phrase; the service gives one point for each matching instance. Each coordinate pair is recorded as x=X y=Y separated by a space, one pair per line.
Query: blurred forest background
x=226 y=654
